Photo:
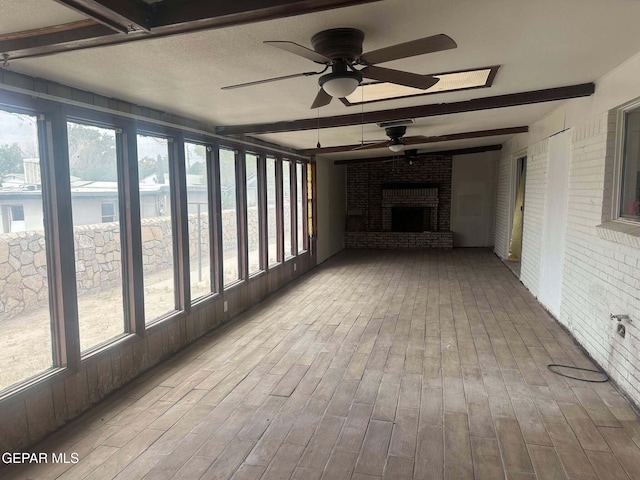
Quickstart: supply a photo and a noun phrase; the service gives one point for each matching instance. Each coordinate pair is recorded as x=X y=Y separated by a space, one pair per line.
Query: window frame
x=260 y=192
x=52 y=117
x=240 y=243
x=620 y=159
x=212 y=197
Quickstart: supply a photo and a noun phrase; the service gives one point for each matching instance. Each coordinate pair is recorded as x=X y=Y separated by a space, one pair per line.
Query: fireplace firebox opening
x=409 y=219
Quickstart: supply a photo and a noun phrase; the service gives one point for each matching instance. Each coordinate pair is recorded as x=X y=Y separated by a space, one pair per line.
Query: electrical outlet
x=621 y=330
x=225 y=306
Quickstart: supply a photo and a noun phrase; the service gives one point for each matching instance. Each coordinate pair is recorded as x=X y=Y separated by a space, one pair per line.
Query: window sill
x=620 y=231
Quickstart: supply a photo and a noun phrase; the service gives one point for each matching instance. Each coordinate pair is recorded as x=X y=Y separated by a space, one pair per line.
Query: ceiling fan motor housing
x=395 y=133
x=339 y=43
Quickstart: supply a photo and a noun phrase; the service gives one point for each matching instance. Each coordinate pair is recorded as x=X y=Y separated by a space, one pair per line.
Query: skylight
x=374 y=92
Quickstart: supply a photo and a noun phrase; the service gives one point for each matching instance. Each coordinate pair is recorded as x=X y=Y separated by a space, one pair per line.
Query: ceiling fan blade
x=435 y=43
x=400 y=78
x=415 y=139
x=267 y=80
x=371 y=145
x=297 y=49
x=322 y=99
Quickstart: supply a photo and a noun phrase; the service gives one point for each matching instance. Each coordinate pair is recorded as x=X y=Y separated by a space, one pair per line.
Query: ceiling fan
x=340 y=49
x=397 y=140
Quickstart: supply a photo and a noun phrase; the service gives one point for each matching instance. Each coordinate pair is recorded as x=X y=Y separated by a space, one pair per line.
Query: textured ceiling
x=19 y=15
x=538 y=45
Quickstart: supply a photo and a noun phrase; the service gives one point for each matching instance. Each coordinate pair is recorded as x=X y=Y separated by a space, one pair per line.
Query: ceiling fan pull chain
x=362 y=115
x=318 y=144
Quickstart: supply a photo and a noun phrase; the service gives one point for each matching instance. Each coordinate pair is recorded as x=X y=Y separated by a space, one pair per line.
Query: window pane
x=229 y=216
x=286 y=199
x=157 y=229
x=630 y=198
x=300 y=200
x=272 y=219
x=25 y=322
x=198 y=206
x=253 y=214
x=93 y=165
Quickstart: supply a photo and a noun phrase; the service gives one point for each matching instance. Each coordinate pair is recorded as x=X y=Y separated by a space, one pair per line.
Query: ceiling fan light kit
x=396 y=147
x=340 y=84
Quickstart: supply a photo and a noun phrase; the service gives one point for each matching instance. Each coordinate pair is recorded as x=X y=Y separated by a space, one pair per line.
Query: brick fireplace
x=399 y=205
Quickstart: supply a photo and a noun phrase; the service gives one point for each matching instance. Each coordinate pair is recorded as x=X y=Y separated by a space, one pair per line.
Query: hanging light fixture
x=396 y=145
x=341 y=82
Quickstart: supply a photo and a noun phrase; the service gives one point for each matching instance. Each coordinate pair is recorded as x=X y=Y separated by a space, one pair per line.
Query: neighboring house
x=92 y=202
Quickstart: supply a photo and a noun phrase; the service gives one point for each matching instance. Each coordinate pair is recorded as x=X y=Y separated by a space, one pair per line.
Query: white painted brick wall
x=600 y=276
x=534 y=200
x=503 y=207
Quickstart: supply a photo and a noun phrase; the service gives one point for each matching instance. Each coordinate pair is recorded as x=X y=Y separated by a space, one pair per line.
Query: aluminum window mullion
x=279 y=210
x=131 y=236
x=262 y=211
x=241 y=212
x=293 y=205
x=216 y=218
x=60 y=252
x=180 y=223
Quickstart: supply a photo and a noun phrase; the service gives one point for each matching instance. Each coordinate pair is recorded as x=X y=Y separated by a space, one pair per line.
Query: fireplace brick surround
x=374 y=189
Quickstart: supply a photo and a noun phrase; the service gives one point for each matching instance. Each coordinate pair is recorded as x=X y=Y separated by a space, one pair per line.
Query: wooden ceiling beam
x=120 y=15
x=58 y=38
x=204 y=14
x=440 y=153
x=431 y=110
x=420 y=140
x=165 y=18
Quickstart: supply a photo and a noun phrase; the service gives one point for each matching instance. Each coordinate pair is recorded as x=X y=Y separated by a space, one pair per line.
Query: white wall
x=331 y=189
x=601 y=266
x=555 y=222
x=473 y=184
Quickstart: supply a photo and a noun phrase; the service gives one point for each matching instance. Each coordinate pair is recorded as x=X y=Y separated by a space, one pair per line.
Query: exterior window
x=17 y=213
x=253 y=213
x=16 y=218
x=25 y=320
x=108 y=212
x=228 y=199
x=93 y=164
x=158 y=263
x=272 y=216
x=300 y=204
x=199 y=222
x=286 y=200
x=630 y=185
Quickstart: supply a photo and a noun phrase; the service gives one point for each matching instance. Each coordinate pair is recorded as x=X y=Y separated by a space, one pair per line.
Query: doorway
x=515 y=240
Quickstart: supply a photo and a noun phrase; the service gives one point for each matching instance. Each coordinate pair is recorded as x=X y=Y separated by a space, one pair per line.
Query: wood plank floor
x=377 y=365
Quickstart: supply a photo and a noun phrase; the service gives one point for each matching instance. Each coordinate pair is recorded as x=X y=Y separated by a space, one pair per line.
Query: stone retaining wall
x=23 y=269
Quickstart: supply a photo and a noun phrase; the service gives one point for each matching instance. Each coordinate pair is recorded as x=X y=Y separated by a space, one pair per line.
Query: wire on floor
x=601 y=372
